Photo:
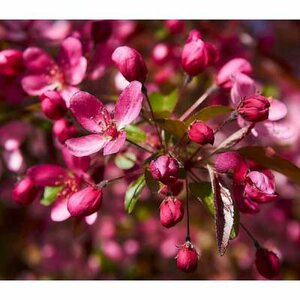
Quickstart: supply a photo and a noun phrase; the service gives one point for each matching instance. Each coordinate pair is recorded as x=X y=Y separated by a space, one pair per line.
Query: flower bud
x=25 y=191
x=175 y=188
x=85 y=202
x=63 y=130
x=187 y=258
x=164 y=169
x=254 y=109
x=230 y=69
x=200 y=133
x=171 y=212
x=11 y=62
x=267 y=263
x=101 y=30
x=175 y=26
x=130 y=63
x=53 y=105
x=197 y=55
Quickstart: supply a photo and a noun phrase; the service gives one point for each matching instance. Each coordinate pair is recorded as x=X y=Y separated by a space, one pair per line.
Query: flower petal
x=47 y=175
x=86 y=145
x=115 y=145
x=89 y=111
x=91 y=219
x=71 y=61
x=59 y=211
x=129 y=104
x=277 y=110
x=36 y=85
x=76 y=163
x=37 y=61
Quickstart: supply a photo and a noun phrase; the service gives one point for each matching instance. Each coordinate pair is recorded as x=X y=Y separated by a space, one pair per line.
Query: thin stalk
x=186 y=80
x=256 y=243
x=139 y=146
x=188 y=236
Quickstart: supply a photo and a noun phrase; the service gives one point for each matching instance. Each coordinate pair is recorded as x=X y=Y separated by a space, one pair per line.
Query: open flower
x=64 y=74
x=106 y=131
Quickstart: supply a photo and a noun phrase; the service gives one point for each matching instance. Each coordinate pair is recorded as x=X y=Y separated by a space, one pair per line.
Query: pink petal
x=76 y=163
x=243 y=87
x=71 y=60
x=277 y=110
x=47 y=175
x=129 y=104
x=115 y=145
x=36 y=85
x=14 y=160
x=89 y=112
x=86 y=145
x=37 y=61
x=67 y=93
x=59 y=211
x=91 y=219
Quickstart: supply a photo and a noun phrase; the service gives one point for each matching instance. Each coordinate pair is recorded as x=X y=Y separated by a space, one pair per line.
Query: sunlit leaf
x=269 y=159
x=175 y=127
x=209 y=112
x=133 y=192
x=163 y=105
x=153 y=185
x=125 y=161
x=135 y=134
x=50 y=193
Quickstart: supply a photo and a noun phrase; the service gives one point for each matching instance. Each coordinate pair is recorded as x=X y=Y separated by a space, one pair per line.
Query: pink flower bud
x=11 y=62
x=197 y=55
x=164 y=169
x=171 y=212
x=232 y=68
x=267 y=263
x=130 y=63
x=254 y=109
x=85 y=202
x=231 y=162
x=260 y=186
x=25 y=191
x=53 y=105
x=175 y=26
x=200 y=133
x=63 y=130
x=101 y=30
x=187 y=258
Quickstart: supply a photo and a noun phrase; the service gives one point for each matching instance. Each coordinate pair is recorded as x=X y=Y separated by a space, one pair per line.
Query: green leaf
x=50 y=193
x=133 y=192
x=175 y=127
x=153 y=185
x=135 y=134
x=269 y=159
x=209 y=112
x=163 y=105
x=125 y=161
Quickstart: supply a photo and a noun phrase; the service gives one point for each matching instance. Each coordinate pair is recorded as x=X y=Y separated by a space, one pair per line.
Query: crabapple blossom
x=25 y=192
x=187 y=258
x=53 y=105
x=171 y=212
x=267 y=263
x=201 y=133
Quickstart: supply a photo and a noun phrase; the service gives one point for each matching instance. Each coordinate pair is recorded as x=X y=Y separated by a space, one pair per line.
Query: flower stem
x=186 y=80
x=206 y=94
x=139 y=146
x=256 y=243
x=188 y=236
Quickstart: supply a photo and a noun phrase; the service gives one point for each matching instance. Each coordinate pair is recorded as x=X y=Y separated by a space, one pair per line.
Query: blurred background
x=136 y=246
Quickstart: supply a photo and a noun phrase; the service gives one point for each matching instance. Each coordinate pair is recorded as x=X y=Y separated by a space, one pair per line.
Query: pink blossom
x=106 y=132
x=199 y=132
x=171 y=212
x=64 y=74
x=187 y=258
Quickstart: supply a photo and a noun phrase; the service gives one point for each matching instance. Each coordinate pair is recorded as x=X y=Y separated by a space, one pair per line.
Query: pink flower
x=53 y=106
x=25 y=191
x=201 y=133
x=130 y=63
x=106 y=131
x=164 y=169
x=230 y=69
x=171 y=212
x=267 y=263
x=64 y=74
x=260 y=186
x=11 y=62
x=85 y=202
x=197 y=55
x=187 y=258
x=63 y=129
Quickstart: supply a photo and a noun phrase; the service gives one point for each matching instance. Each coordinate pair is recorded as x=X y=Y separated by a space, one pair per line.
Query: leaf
x=233 y=139
x=50 y=193
x=133 y=192
x=125 y=161
x=135 y=134
x=175 y=127
x=203 y=192
x=224 y=216
x=153 y=185
x=209 y=112
x=269 y=159
x=163 y=105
